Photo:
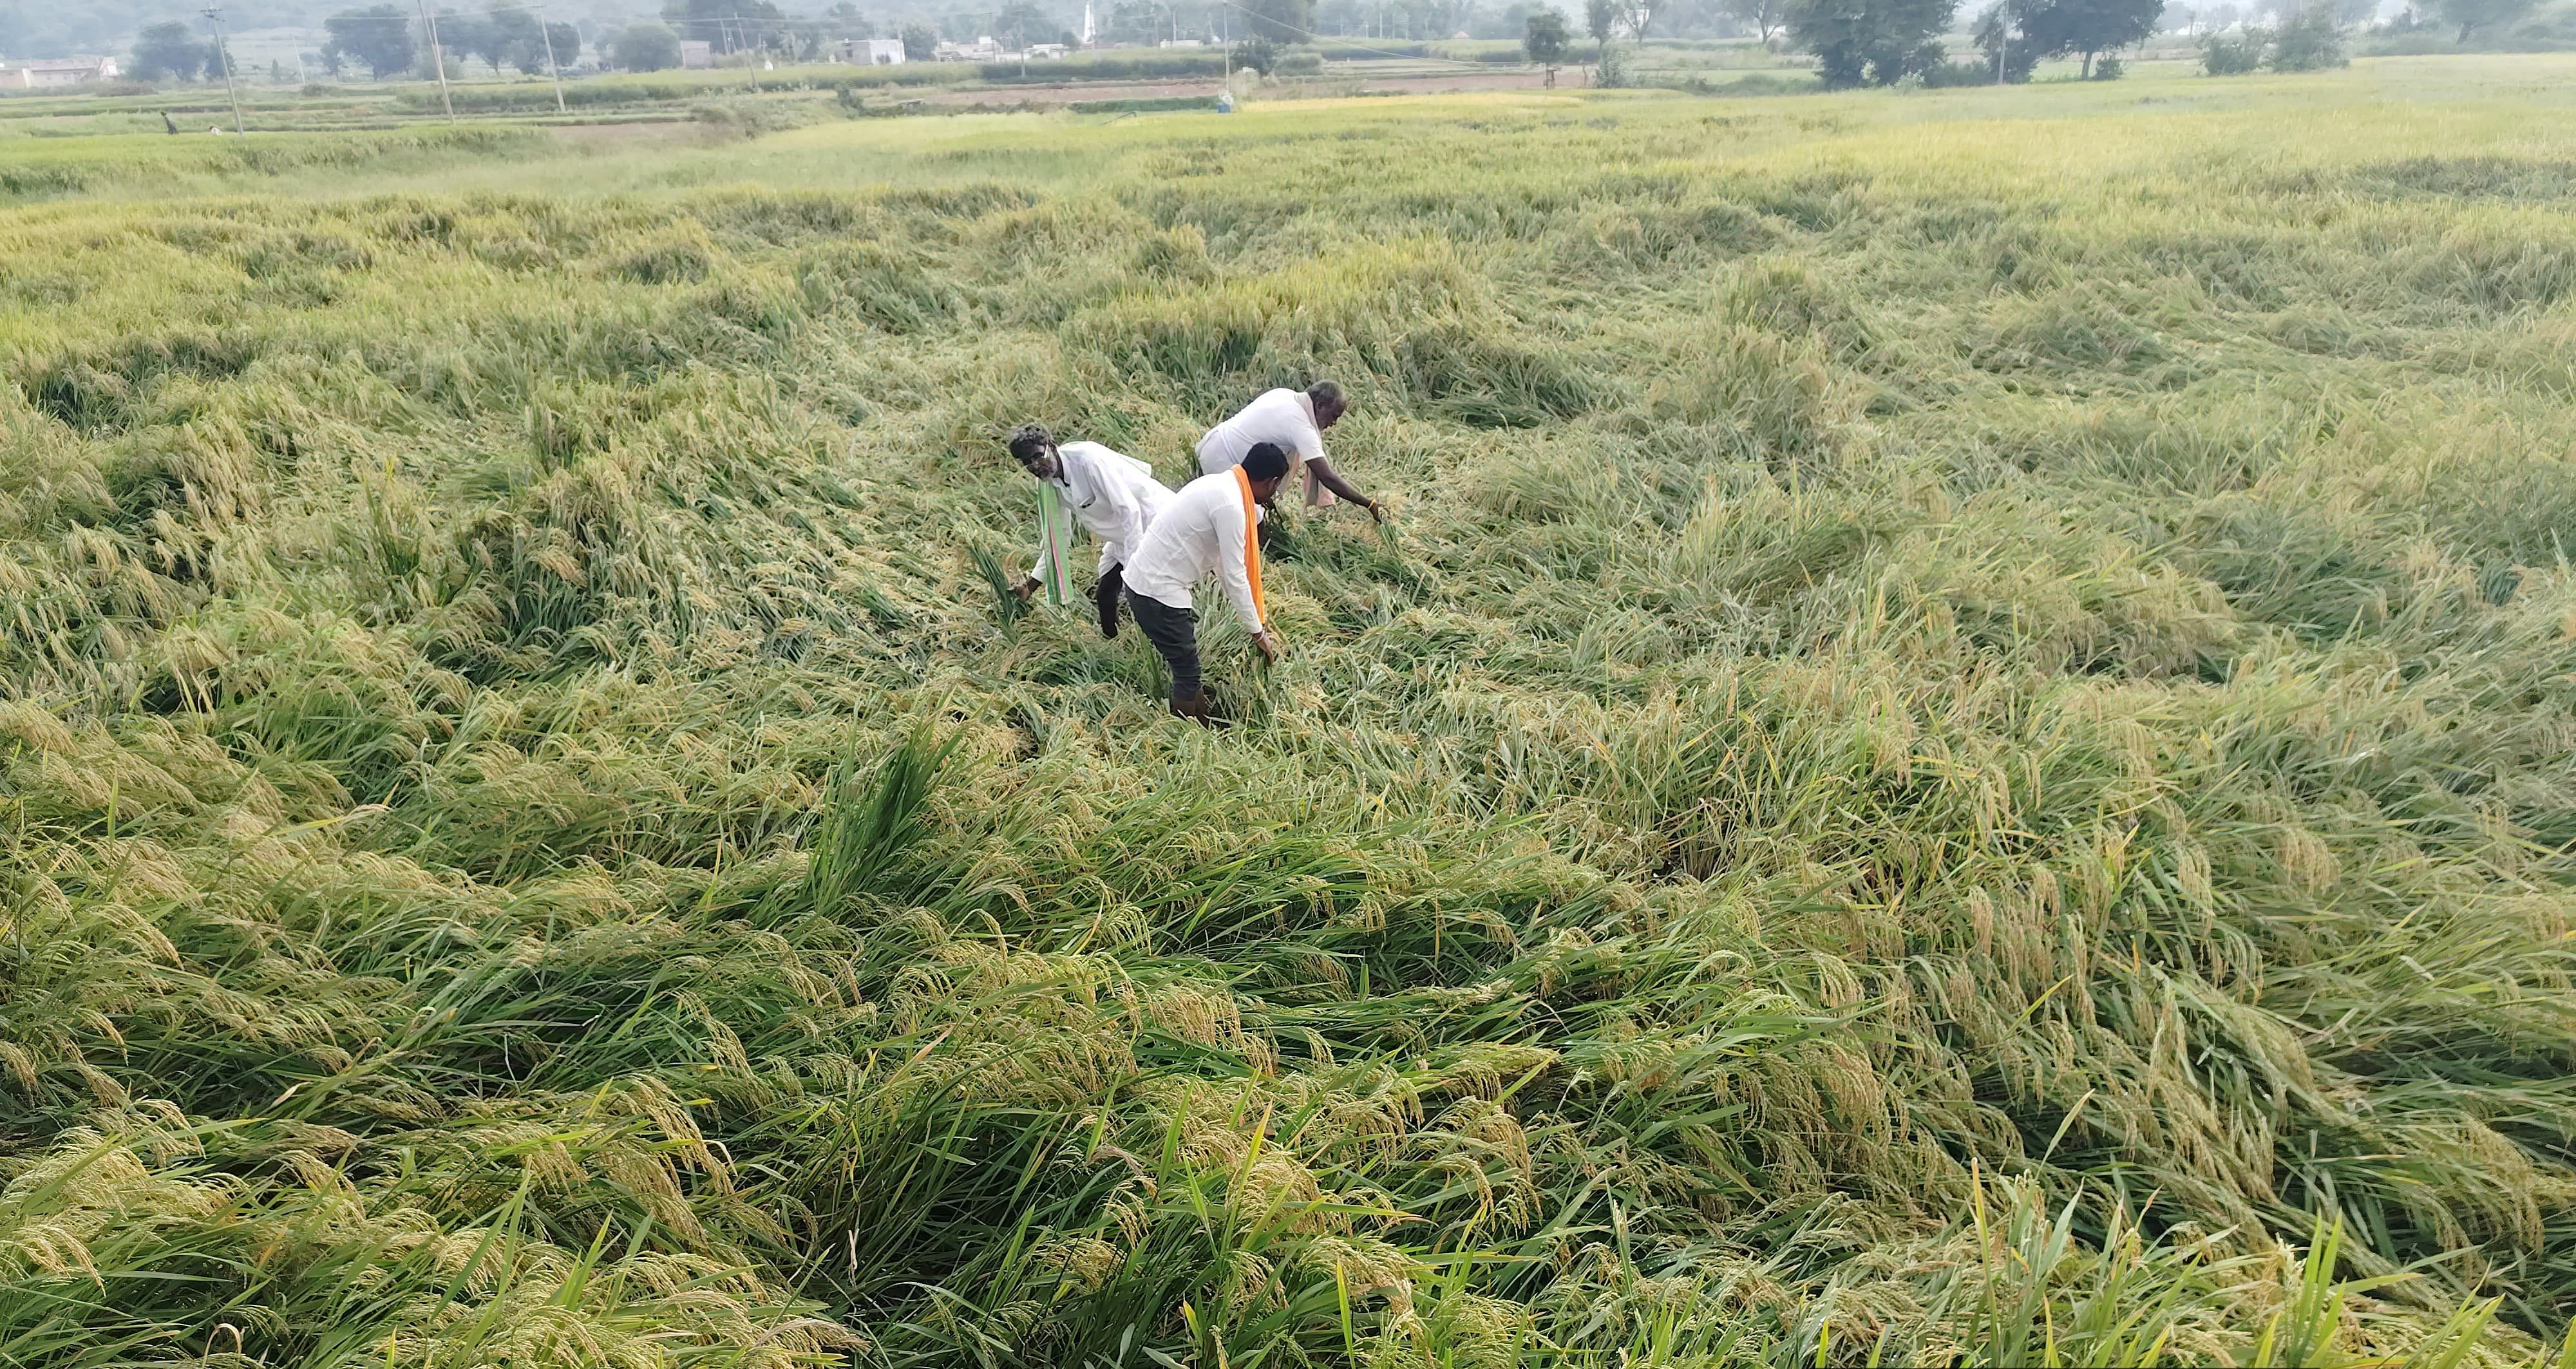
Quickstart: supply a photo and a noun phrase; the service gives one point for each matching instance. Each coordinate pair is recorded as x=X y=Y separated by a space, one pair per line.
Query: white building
x=696 y=54
x=873 y=52
x=56 y=71
x=1045 y=52
x=981 y=50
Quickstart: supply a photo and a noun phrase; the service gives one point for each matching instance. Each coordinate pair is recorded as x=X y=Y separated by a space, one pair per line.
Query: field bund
x=1959 y=750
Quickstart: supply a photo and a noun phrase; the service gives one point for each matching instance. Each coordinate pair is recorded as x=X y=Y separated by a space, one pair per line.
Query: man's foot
x=1195 y=708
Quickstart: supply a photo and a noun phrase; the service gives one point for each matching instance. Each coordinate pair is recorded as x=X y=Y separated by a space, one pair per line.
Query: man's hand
x=1269 y=644
x=1377 y=511
x=1027 y=589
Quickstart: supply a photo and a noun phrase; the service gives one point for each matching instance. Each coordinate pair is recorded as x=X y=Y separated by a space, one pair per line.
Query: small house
x=697 y=54
x=56 y=71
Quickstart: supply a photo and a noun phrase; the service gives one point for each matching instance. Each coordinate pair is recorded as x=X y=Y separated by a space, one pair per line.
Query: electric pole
x=224 y=54
x=437 y=59
x=551 y=69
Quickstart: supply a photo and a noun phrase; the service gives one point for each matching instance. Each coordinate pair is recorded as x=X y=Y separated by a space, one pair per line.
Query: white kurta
x=1197 y=537
x=1112 y=495
x=1286 y=417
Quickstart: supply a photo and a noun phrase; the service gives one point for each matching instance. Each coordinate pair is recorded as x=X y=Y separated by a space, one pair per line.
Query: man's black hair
x=1265 y=462
x=1030 y=441
x=1327 y=395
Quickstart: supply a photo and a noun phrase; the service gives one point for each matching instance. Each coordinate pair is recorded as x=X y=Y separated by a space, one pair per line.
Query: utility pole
x=437 y=59
x=224 y=54
x=739 y=36
x=551 y=69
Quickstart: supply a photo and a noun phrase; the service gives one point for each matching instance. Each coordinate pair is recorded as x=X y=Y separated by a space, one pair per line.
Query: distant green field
x=1959 y=750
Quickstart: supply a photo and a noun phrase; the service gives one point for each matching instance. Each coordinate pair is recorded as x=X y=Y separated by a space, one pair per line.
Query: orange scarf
x=1252 y=546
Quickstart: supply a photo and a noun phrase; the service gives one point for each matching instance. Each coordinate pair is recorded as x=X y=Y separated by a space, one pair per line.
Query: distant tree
x=1543 y=40
x=566 y=45
x=2067 y=28
x=2009 y=53
x=1281 y=21
x=467 y=35
x=1257 y=53
x=1599 y=18
x=1639 y=15
x=2311 y=41
x=2355 y=13
x=920 y=43
x=1132 y=21
x=647 y=46
x=379 y=36
x=730 y=25
x=512 y=34
x=1764 y=17
x=1612 y=74
x=2468 y=16
x=1875 y=41
x=169 y=52
x=1020 y=22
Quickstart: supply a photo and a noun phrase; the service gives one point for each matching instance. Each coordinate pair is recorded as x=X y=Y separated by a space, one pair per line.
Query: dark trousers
x=1175 y=633
x=1104 y=596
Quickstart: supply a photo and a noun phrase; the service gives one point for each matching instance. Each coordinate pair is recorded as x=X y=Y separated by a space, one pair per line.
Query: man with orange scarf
x=1207 y=532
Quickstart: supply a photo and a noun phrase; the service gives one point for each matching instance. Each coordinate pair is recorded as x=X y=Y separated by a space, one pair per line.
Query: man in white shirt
x=1207 y=532
x=1112 y=495
x=1295 y=421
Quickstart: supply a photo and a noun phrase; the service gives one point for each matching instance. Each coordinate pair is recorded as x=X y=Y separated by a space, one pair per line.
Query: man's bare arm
x=1332 y=480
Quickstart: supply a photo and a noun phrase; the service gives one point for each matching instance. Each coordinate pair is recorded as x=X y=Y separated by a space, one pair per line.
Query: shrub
x=2310 y=42
x=2107 y=69
x=1256 y=53
x=1613 y=71
x=1145 y=104
x=2238 y=56
x=1108 y=66
x=1945 y=74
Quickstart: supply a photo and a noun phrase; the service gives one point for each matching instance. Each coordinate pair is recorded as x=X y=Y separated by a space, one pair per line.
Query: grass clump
x=1955 y=757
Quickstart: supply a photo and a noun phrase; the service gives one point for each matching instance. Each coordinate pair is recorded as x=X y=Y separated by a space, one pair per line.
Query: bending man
x=1113 y=496
x=1295 y=421
x=1205 y=533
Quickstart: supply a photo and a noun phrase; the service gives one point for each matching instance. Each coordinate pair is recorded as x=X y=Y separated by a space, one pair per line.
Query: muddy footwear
x=1195 y=708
